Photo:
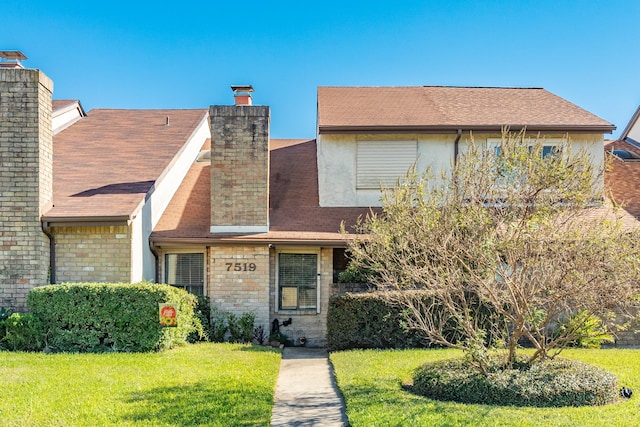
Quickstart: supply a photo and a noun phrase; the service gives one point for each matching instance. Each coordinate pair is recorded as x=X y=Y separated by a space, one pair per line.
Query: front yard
x=371 y=383
x=203 y=384
x=233 y=385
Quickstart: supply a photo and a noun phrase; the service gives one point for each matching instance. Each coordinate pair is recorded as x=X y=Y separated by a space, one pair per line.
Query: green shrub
x=368 y=320
x=549 y=383
x=99 y=317
x=218 y=326
x=354 y=274
x=372 y=320
x=588 y=329
x=246 y=322
x=21 y=332
x=202 y=320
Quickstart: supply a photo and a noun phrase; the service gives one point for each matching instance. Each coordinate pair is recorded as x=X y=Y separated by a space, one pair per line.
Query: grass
x=371 y=383
x=203 y=384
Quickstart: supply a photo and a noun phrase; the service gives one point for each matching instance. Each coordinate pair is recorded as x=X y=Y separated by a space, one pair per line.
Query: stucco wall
x=337 y=160
x=93 y=254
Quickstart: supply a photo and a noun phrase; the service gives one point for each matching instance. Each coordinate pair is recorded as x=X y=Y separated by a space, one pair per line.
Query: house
x=204 y=199
x=624 y=167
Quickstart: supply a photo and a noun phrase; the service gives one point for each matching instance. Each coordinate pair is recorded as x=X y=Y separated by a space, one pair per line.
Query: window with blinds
x=383 y=162
x=297 y=281
x=185 y=271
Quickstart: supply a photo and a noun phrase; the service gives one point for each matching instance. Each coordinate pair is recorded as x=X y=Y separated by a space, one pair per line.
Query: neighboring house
x=623 y=172
x=206 y=200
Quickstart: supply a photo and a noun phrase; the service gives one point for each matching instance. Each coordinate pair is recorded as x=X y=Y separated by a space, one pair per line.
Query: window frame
x=186 y=252
x=278 y=302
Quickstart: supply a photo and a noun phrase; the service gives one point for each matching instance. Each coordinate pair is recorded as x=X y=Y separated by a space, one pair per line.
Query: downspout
x=154 y=251
x=455 y=147
x=52 y=252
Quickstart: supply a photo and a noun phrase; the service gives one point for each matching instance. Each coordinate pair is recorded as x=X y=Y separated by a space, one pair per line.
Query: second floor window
x=383 y=162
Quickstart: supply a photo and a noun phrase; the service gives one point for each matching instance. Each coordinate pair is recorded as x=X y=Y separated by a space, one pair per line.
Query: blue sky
x=143 y=54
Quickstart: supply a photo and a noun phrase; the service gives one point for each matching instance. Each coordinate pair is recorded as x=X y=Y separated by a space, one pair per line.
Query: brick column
x=26 y=182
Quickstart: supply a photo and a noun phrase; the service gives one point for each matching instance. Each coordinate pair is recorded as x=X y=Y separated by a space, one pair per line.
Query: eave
x=391 y=129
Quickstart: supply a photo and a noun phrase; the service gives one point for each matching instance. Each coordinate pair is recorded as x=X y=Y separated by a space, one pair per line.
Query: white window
x=297 y=280
x=383 y=162
x=186 y=271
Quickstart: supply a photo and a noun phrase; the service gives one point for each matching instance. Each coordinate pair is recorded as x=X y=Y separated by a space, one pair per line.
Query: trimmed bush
x=368 y=320
x=550 y=383
x=372 y=320
x=100 y=317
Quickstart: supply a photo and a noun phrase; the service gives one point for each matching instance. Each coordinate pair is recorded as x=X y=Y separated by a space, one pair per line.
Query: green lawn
x=203 y=384
x=371 y=382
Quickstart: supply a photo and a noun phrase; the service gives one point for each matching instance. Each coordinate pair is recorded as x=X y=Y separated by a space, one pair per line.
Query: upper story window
x=382 y=163
x=186 y=271
x=549 y=146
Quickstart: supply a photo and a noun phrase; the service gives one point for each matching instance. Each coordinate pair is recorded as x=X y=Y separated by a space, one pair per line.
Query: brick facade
x=239 y=168
x=26 y=182
x=238 y=280
x=93 y=254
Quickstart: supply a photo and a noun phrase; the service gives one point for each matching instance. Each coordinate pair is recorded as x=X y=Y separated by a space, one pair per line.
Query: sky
x=186 y=54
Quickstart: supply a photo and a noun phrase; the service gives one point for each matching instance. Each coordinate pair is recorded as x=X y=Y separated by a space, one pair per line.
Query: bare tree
x=510 y=241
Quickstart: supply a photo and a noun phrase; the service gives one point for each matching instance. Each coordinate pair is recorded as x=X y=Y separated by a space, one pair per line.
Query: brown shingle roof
x=437 y=108
x=295 y=214
x=104 y=165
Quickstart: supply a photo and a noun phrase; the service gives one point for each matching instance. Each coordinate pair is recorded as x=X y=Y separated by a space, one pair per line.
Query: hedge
x=368 y=320
x=372 y=320
x=100 y=317
x=550 y=383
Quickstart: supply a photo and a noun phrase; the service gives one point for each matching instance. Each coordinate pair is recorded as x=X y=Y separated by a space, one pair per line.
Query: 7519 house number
x=240 y=266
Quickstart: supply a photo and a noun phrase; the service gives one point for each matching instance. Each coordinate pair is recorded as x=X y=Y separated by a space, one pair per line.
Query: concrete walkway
x=306 y=391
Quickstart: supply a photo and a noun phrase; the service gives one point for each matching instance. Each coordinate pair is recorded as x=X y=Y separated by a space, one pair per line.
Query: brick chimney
x=240 y=165
x=26 y=178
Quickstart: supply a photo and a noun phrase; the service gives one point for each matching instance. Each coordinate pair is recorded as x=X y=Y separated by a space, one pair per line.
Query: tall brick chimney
x=240 y=166
x=26 y=179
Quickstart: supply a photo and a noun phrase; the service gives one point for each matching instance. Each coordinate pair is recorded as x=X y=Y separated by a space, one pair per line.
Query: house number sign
x=241 y=266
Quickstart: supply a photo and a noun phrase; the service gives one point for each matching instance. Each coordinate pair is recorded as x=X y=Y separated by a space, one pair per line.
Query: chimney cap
x=241 y=88
x=15 y=55
x=11 y=58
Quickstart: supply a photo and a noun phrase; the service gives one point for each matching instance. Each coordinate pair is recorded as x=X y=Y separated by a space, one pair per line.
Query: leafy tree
x=518 y=232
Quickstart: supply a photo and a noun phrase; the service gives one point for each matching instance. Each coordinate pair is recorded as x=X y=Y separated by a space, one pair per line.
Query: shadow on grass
x=201 y=404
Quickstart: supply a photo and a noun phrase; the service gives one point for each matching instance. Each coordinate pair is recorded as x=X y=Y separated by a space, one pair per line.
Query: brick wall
x=26 y=188
x=238 y=280
x=93 y=254
x=621 y=179
x=239 y=167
